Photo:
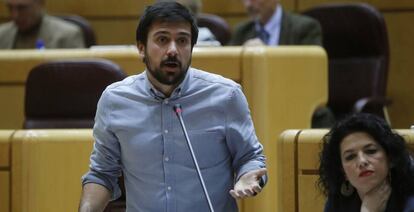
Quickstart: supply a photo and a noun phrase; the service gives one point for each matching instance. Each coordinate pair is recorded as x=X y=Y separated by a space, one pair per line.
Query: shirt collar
x=273 y=25
x=178 y=91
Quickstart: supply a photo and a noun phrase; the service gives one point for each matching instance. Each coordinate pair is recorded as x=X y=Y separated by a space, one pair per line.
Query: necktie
x=264 y=35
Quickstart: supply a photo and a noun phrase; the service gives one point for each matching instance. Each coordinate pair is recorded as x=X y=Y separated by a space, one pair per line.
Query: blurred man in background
x=271 y=25
x=31 y=28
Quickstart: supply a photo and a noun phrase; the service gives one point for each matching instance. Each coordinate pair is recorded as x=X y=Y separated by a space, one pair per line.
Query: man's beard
x=165 y=77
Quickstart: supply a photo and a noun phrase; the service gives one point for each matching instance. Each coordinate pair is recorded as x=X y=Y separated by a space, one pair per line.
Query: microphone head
x=177 y=108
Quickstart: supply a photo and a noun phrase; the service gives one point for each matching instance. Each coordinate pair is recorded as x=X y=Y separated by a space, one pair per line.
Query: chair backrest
x=217 y=25
x=355 y=38
x=64 y=94
x=88 y=32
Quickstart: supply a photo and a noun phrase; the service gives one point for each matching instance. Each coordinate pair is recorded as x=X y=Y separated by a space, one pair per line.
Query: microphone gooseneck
x=178 y=111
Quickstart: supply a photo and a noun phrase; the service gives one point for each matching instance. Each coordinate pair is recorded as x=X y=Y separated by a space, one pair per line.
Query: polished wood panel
x=112 y=8
x=308 y=160
x=4 y=191
x=284 y=85
x=12 y=106
x=122 y=31
x=287 y=164
x=309 y=201
x=93 y=8
x=47 y=166
x=380 y=4
x=401 y=74
x=393 y=5
x=5 y=149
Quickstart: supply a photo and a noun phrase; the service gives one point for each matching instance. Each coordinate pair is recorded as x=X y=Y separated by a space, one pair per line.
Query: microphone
x=178 y=111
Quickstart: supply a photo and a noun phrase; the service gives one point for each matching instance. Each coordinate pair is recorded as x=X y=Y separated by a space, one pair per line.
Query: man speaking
x=137 y=130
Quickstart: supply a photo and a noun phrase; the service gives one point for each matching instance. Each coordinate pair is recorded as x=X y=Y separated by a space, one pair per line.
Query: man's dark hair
x=165 y=12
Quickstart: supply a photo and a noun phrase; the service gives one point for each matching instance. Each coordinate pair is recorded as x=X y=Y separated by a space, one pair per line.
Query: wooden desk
x=47 y=166
x=284 y=86
x=5 y=164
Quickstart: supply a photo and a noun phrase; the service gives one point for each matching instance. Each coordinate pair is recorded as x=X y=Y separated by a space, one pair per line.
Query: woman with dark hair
x=365 y=166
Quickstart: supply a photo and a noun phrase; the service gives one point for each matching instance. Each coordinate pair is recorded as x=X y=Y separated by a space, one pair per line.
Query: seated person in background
x=204 y=34
x=364 y=166
x=271 y=25
x=31 y=28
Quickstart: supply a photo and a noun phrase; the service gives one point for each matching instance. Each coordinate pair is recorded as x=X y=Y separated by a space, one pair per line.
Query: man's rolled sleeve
x=105 y=159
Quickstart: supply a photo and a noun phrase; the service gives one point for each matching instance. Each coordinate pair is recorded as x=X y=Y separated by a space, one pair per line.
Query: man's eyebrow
x=185 y=34
x=166 y=32
x=162 y=32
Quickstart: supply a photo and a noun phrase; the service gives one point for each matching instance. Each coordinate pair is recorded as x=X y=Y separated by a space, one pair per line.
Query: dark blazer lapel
x=285 y=29
x=251 y=33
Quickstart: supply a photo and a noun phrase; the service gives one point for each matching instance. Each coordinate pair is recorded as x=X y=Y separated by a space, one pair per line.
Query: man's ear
x=141 y=50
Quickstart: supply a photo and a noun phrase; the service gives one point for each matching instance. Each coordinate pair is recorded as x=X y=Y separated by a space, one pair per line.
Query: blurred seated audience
x=205 y=36
x=271 y=25
x=31 y=27
x=365 y=166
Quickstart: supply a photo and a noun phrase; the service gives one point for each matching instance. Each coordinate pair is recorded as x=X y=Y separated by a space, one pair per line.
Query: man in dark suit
x=271 y=25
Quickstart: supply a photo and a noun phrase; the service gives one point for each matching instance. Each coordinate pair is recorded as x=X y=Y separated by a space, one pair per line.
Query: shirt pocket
x=209 y=147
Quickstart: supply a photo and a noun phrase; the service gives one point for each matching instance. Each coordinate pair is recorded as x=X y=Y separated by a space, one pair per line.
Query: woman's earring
x=347 y=189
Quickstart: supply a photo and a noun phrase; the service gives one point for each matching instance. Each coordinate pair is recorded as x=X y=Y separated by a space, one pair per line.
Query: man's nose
x=172 y=49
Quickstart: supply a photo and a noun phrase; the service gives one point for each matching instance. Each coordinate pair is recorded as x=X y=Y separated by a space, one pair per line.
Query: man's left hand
x=248 y=184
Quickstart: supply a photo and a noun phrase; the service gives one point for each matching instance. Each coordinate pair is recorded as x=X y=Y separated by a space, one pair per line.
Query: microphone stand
x=178 y=110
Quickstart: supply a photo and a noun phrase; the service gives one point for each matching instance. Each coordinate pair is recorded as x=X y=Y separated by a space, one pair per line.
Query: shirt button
x=166 y=159
x=169 y=188
x=165 y=131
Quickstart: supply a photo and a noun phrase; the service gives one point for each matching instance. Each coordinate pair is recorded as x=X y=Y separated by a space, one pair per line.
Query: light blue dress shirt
x=136 y=131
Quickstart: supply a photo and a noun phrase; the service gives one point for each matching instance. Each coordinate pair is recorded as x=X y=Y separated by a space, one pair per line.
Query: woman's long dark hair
x=331 y=174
